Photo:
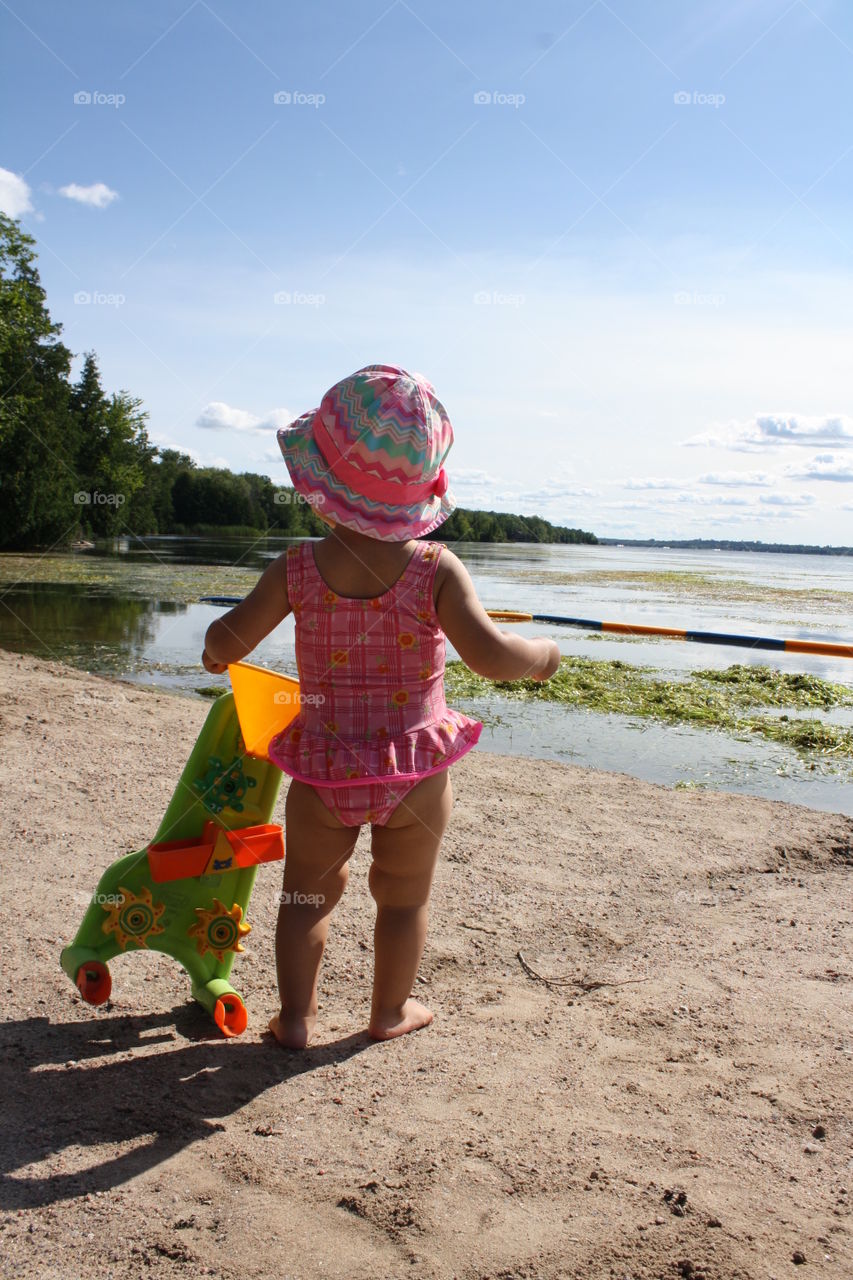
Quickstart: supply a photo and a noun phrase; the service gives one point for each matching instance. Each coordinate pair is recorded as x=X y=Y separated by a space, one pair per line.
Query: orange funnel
x=265 y=702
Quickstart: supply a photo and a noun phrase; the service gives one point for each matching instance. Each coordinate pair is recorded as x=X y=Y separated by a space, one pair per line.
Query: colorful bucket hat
x=370 y=458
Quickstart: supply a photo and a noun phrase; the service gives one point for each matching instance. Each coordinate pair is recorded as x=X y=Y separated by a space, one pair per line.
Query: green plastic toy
x=187 y=893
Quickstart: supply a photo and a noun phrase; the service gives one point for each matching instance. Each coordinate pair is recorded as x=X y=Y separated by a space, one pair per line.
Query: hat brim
x=337 y=502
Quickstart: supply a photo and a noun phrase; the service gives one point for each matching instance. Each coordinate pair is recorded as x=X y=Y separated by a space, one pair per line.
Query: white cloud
x=773 y=430
x=713 y=500
x=788 y=499
x=218 y=416
x=14 y=194
x=736 y=478
x=653 y=482
x=98 y=195
x=465 y=477
x=823 y=466
x=165 y=441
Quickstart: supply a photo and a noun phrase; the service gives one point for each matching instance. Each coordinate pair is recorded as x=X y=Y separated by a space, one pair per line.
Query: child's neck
x=353 y=564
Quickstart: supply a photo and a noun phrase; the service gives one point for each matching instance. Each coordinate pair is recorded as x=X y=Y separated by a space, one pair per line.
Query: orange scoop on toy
x=215 y=851
x=266 y=702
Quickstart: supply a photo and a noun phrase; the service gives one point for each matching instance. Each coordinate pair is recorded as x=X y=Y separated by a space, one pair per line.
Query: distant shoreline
x=722 y=544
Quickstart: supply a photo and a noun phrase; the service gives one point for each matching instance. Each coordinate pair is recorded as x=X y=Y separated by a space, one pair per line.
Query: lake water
x=131 y=609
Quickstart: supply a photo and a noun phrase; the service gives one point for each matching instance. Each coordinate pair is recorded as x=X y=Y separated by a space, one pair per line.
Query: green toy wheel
x=94 y=982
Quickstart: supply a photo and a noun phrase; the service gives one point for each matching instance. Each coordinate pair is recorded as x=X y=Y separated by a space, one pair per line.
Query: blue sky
x=616 y=237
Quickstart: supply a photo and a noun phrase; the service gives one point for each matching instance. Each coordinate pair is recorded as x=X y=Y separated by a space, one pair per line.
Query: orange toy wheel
x=230 y=1015
x=94 y=982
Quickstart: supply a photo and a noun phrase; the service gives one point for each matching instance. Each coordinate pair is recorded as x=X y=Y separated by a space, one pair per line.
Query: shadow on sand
x=56 y=1098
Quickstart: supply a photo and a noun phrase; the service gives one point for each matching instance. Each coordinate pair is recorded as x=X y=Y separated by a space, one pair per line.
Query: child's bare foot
x=396 y=1022
x=292 y=1032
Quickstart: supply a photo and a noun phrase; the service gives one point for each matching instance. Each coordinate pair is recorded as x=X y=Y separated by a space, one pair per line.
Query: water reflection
x=61 y=621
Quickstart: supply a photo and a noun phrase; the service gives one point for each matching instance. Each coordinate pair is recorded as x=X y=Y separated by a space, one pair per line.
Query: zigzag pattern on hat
x=385 y=444
x=387 y=425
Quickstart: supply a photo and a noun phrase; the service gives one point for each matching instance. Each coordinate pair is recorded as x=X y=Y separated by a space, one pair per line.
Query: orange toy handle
x=214 y=851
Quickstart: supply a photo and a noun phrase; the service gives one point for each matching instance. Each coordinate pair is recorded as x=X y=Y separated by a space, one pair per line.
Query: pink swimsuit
x=374 y=721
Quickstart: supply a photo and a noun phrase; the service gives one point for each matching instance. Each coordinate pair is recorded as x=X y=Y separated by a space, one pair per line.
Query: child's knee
x=304 y=877
x=399 y=888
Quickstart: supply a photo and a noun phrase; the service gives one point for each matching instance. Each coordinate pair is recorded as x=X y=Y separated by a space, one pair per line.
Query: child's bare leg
x=315 y=876
x=405 y=852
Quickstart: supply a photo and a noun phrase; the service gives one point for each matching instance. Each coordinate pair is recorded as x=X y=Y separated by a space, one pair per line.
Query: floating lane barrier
x=699 y=637
x=825 y=647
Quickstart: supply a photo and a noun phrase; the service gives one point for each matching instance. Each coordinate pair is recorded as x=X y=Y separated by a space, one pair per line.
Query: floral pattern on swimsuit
x=371 y=676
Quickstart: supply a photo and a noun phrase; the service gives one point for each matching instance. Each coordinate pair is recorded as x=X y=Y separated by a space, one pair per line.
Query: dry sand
x=651 y=1117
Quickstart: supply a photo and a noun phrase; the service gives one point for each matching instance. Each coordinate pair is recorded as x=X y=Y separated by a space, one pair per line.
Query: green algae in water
x=705 y=699
x=161 y=580
x=686 y=585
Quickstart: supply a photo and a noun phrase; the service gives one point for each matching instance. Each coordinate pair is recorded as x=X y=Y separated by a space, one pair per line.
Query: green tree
x=114 y=457
x=37 y=427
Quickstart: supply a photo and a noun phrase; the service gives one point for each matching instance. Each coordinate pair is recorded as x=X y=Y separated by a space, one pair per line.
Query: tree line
x=77 y=462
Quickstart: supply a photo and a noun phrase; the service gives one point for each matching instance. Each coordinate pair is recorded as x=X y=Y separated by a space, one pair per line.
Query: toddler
x=374 y=738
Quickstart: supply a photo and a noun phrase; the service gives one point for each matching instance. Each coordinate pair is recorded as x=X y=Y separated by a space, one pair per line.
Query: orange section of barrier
x=509 y=615
x=818 y=646
x=633 y=629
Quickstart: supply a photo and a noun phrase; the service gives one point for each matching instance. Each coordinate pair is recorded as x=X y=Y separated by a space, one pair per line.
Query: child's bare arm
x=495 y=654
x=237 y=632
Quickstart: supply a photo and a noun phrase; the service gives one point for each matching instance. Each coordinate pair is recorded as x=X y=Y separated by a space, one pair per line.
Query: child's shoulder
x=449 y=567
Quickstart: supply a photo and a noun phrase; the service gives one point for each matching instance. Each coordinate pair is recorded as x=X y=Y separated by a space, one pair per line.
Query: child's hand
x=215 y=668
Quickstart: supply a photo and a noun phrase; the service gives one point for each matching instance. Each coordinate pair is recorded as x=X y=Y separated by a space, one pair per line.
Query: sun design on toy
x=133 y=917
x=219 y=930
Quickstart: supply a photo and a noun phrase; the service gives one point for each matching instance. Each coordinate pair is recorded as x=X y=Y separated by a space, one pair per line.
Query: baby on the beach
x=374 y=738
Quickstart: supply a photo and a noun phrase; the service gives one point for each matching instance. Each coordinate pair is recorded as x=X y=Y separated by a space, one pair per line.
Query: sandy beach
x=675 y=1103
